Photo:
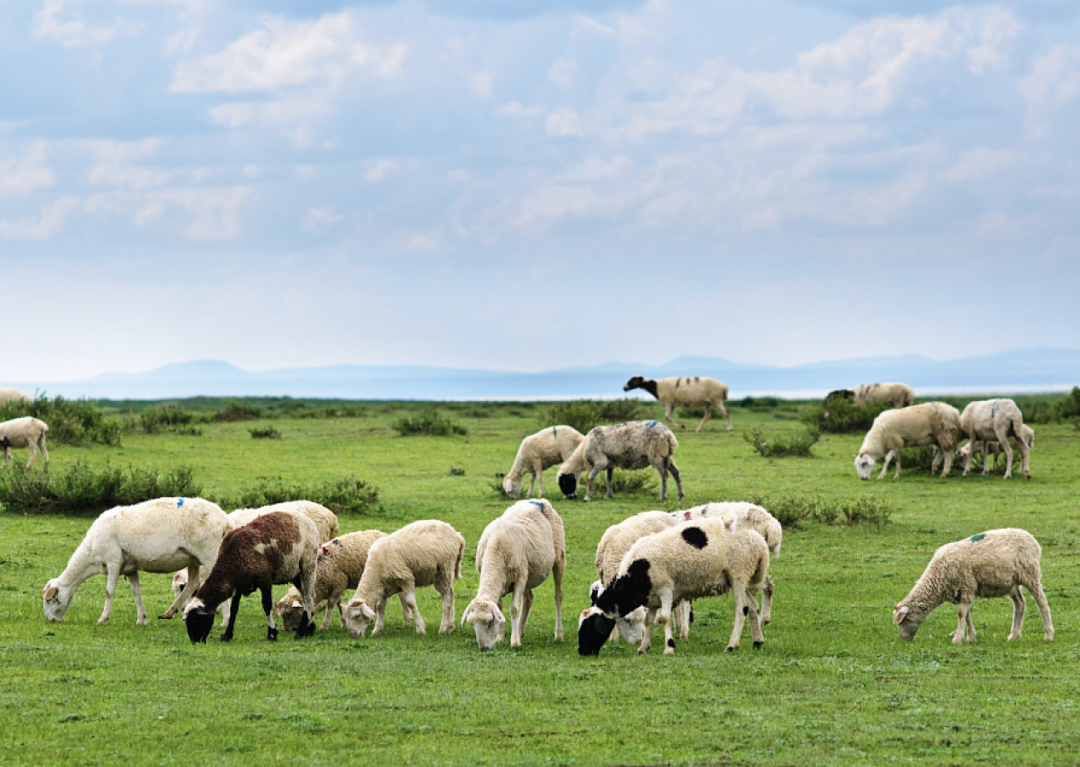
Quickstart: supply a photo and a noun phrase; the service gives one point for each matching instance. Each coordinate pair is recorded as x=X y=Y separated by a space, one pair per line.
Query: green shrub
x=427 y=422
x=70 y=421
x=268 y=432
x=156 y=420
x=783 y=444
x=791 y=511
x=584 y=414
x=237 y=411
x=344 y=495
x=841 y=416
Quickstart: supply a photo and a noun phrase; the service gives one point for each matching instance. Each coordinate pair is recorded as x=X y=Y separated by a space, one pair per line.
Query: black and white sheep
x=689 y=391
x=280 y=547
x=26 y=432
x=516 y=553
x=996 y=419
x=689 y=561
x=631 y=445
x=423 y=553
x=155 y=536
x=538 y=452
x=987 y=565
x=932 y=423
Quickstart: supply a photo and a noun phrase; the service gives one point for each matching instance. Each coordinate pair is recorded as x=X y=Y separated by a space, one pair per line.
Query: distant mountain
x=1018 y=370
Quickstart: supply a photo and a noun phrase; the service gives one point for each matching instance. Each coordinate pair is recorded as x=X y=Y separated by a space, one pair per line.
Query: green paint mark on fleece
x=977 y=537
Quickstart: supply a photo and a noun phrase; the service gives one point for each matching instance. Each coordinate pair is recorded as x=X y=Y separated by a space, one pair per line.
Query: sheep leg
x=885 y=466
x=681 y=617
x=189 y=589
x=500 y=635
x=1025 y=451
x=1044 y=609
x=268 y=608
x=610 y=477
x=724 y=412
x=32 y=448
x=705 y=420
x=557 y=576
x=944 y=469
x=664 y=617
x=110 y=590
x=410 y=599
x=228 y=635
x=744 y=606
x=766 y=600
x=646 y=636
x=380 y=613
x=330 y=602
x=669 y=413
x=965 y=628
x=406 y=616
x=1018 y=613
x=136 y=591
x=662 y=470
x=675 y=473
x=447 y=593
x=589 y=481
x=44 y=452
x=523 y=619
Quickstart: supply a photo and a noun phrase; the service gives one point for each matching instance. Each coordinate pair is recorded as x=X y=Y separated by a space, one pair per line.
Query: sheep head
x=54 y=601
x=568 y=485
x=357 y=616
x=199 y=619
x=512 y=488
x=488 y=622
x=864 y=464
x=906 y=622
x=594 y=628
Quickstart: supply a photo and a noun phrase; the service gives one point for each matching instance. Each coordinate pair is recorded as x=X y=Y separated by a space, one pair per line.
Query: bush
x=584 y=414
x=428 y=421
x=792 y=511
x=237 y=411
x=88 y=491
x=784 y=444
x=70 y=421
x=268 y=432
x=841 y=416
x=155 y=420
x=344 y=495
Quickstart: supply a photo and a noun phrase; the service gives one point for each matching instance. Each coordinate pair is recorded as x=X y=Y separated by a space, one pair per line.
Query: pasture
x=833 y=684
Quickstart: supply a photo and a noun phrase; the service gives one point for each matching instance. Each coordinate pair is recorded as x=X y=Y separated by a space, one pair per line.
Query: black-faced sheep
x=996 y=419
x=538 y=452
x=155 y=536
x=691 y=391
x=933 y=423
x=991 y=564
x=423 y=553
x=632 y=445
x=689 y=561
x=516 y=553
x=281 y=547
x=26 y=432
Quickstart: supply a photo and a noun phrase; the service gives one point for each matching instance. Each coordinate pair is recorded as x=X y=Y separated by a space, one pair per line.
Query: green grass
x=833 y=684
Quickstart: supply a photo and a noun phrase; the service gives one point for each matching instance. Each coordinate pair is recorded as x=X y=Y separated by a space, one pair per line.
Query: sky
x=534 y=184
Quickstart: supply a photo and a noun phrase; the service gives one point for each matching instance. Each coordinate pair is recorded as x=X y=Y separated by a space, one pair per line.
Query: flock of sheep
x=649 y=567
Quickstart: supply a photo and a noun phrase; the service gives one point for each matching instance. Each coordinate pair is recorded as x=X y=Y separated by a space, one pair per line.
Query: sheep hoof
x=166 y=616
x=732 y=647
x=758 y=645
x=271 y=634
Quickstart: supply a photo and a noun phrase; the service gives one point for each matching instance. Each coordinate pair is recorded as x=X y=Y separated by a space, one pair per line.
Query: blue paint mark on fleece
x=977 y=537
x=179 y=502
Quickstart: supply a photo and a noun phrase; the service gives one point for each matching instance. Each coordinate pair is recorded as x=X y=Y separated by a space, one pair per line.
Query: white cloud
x=197 y=214
x=51 y=23
x=47 y=225
x=27 y=173
x=321 y=220
x=381 y=169
x=564 y=122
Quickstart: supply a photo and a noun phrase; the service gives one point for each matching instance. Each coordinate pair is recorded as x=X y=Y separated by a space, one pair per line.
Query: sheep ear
x=731 y=525
x=900 y=614
x=296 y=603
x=465 y=615
x=499 y=614
x=50 y=592
x=367 y=611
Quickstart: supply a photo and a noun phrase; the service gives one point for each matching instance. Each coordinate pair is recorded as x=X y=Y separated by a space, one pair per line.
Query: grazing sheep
x=340 y=566
x=895 y=395
x=25 y=432
x=933 y=423
x=424 y=553
x=988 y=447
x=689 y=561
x=538 y=452
x=280 y=547
x=995 y=419
x=516 y=553
x=632 y=445
x=991 y=564
x=685 y=392
x=7 y=394
x=155 y=536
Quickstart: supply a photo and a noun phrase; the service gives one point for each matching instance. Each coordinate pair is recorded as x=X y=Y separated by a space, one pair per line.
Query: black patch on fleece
x=696 y=537
x=592 y=634
x=671 y=643
x=627 y=592
x=746 y=610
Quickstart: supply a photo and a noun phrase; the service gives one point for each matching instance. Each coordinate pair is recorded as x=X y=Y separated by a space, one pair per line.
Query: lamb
x=689 y=561
x=516 y=553
x=155 y=536
x=685 y=392
x=423 y=553
x=631 y=445
x=996 y=419
x=25 y=432
x=8 y=394
x=538 y=452
x=895 y=395
x=340 y=566
x=986 y=447
x=280 y=547
x=932 y=423
x=991 y=564
x=743 y=515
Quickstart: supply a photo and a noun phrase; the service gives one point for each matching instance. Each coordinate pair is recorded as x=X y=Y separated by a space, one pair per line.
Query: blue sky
x=536 y=184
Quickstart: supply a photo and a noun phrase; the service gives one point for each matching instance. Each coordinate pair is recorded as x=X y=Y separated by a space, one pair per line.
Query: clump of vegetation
x=343 y=495
x=794 y=510
x=82 y=489
x=70 y=422
x=455 y=472
x=427 y=422
x=169 y=418
x=237 y=411
x=584 y=414
x=783 y=444
x=266 y=432
x=841 y=416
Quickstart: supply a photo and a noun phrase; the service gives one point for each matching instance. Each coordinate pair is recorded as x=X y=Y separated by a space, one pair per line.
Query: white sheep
x=155 y=536
x=690 y=391
x=991 y=564
x=538 y=452
x=340 y=566
x=689 y=561
x=631 y=445
x=741 y=515
x=932 y=423
x=516 y=553
x=895 y=395
x=25 y=432
x=423 y=553
x=8 y=394
x=281 y=547
x=995 y=419
x=993 y=447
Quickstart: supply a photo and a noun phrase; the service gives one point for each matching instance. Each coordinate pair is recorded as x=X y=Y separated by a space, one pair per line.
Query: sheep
x=895 y=395
x=991 y=564
x=996 y=419
x=280 y=547
x=155 y=536
x=631 y=445
x=423 y=553
x=516 y=553
x=26 y=432
x=7 y=394
x=986 y=447
x=932 y=423
x=691 y=560
x=742 y=515
x=538 y=452
x=685 y=392
x=340 y=565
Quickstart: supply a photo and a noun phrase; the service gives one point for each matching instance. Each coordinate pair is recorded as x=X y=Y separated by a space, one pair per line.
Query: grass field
x=833 y=685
